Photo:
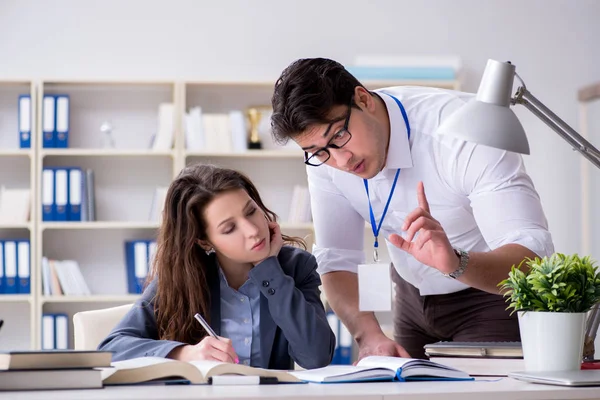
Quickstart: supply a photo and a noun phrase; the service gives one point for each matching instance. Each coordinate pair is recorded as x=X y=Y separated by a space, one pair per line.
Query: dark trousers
x=470 y=315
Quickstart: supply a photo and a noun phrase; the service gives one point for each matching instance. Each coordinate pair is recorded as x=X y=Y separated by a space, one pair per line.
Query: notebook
x=475 y=349
x=379 y=368
x=560 y=378
x=148 y=369
x=54 y=359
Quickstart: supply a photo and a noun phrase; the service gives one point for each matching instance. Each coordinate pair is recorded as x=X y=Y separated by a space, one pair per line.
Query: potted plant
x=552 y=298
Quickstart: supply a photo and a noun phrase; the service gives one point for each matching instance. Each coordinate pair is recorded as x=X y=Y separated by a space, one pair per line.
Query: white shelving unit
x=125 y=180
x=18 y=170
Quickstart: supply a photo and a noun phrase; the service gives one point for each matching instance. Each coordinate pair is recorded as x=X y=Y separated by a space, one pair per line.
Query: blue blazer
x=293 y=323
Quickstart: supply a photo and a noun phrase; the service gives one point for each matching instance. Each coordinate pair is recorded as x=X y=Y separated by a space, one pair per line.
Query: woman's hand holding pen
x=209 y=348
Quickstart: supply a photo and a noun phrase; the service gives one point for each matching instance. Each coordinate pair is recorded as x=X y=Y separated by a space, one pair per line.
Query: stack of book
x=478 y=358
x=39 y=370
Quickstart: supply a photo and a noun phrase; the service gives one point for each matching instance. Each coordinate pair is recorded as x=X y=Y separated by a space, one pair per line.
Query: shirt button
x=246 y=320
x=246 y=362
x=265 y=283
x=271 y=291
x=242 y=299
x=247 y=341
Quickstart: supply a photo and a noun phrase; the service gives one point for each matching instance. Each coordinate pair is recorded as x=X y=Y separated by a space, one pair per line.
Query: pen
x=222 y=380
x=206 y=326
x=210 y=331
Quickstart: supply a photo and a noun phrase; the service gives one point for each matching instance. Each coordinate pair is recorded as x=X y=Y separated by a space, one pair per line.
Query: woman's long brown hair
x=180 y=265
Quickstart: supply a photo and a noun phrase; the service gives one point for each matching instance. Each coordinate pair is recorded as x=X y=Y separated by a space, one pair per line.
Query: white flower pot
x=552 y=341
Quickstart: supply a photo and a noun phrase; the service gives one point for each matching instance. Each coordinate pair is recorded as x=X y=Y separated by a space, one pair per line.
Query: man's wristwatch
x=463 y=256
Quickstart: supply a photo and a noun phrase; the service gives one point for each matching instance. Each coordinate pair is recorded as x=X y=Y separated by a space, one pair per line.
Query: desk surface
x=504 y=389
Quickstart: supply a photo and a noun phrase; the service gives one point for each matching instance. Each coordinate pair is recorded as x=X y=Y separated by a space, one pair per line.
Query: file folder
x=62 y=121
x=23 y=267
x=48 y=121
x=25 y=121
x=10 y=267
x=61 y=193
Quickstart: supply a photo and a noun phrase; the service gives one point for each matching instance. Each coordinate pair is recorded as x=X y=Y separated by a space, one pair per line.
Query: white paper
x=374 y=287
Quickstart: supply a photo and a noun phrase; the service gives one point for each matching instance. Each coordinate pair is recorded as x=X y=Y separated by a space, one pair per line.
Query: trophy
x=108 y=142
x=254 y=142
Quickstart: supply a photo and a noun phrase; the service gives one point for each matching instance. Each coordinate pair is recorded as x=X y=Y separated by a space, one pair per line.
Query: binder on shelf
x=61 y=193
x=48 y=204
x=334 y=324
x=55 y=331
x=62 y=121
x=48 y=121
x=345 y=345
x=25 y=121
x=76 y=188
x=61 y=332
x=48 y=332
x=10 y=267
x=23 y=267
x=137 y=262
x=2 y=279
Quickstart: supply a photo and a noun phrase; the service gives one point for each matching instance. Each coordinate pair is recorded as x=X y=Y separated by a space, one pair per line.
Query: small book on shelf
x=475 y=349
x=380 y=368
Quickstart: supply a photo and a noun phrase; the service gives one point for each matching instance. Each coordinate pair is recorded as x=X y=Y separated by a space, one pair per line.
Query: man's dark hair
x=305 y=94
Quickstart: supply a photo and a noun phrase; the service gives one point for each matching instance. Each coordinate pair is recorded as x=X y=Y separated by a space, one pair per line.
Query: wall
x=551 y=42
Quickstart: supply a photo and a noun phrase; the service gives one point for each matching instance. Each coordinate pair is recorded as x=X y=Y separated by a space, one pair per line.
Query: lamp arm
x=559 y=126
x=524 y=97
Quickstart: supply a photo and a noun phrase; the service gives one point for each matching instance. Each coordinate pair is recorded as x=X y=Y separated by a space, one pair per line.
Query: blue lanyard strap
x=374 y=226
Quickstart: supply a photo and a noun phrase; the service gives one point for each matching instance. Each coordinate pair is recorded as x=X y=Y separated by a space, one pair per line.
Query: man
x=459 y=216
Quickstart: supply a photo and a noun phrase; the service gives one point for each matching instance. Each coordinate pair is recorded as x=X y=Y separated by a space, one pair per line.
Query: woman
x=220 y=253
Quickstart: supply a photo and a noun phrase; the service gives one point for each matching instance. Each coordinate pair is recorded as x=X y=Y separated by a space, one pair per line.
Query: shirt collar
x=398 y=155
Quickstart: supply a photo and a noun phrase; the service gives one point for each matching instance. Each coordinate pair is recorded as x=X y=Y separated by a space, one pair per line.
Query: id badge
x=374 y=287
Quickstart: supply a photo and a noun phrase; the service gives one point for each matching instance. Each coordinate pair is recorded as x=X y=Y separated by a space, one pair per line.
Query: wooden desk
x=505 y=389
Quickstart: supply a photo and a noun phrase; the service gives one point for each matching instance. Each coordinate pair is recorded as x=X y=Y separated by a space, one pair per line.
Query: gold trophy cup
x=254 y=115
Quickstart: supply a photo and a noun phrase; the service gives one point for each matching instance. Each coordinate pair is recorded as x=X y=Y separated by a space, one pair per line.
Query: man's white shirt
x=482 y=196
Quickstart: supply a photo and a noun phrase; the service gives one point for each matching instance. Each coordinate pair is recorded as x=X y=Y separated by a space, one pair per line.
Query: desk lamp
x=488 y=120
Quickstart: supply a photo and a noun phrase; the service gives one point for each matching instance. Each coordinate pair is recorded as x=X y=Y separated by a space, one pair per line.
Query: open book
x=379 y=368
x=147 y=369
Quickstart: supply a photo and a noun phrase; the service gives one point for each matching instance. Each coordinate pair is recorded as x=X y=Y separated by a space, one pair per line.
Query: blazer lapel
x=267 y=332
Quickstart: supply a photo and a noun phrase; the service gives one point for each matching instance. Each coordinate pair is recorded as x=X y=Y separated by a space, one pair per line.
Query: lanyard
x=374 y=226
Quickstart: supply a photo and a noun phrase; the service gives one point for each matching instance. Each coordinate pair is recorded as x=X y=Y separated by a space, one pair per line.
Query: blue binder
x=62 y=121
x=48 y=121
x=61 y=193
x=24 y=266
x=10 y=267
x=25 y=121
x=2 y=277
x=136 y=263
x=48 y=197
x=76 y=189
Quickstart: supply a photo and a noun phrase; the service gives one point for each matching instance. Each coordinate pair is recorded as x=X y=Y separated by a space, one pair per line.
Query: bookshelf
x=125 y=179
x=18 y=171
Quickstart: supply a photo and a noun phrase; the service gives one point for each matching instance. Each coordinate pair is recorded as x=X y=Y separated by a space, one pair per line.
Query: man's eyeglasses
x=337 y=141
